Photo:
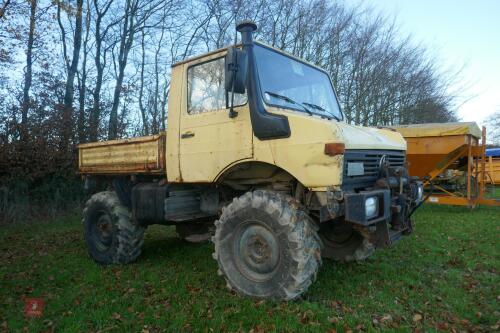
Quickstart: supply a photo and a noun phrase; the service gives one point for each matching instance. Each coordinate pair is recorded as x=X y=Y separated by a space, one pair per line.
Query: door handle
x=187 y=135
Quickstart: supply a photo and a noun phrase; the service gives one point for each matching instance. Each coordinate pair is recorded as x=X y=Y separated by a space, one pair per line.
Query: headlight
x=420 y=193
x=371 y=207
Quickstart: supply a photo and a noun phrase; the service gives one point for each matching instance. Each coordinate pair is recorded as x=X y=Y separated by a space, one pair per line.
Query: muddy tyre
x=342 y=242
x=110 y=235
x=266 y=246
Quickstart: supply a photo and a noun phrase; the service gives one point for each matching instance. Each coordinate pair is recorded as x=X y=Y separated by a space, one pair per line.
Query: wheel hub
x=258 y=252
x=103 y=232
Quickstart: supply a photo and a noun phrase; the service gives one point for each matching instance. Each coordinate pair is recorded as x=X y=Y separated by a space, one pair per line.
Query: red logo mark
x=33 y=307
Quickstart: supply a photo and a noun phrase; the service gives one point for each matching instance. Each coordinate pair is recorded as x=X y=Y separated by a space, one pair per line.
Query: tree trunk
x=3 y=8
x=141 y=88
x=113 y=117
x=28 y=76
x=95 y=113
x=126 y=42
x=70 y=89
x=96 y=107
x=83 y=82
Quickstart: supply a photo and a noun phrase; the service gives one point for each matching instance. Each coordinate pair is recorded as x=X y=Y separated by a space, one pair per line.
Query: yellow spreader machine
x=451 y=158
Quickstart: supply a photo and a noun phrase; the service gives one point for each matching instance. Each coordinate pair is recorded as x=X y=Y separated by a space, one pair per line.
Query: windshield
x=289 y=83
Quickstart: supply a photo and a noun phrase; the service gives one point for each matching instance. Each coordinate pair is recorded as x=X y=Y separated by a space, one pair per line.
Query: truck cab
x=258 y=156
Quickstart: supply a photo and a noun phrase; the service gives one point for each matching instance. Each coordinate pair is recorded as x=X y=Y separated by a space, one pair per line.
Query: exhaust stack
x=246 y=28
x=265 y=125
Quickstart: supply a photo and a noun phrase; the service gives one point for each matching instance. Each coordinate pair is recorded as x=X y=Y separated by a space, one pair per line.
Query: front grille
x=371 y=165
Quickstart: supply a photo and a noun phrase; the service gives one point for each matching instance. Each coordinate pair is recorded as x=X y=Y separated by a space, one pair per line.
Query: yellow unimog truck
x=258 y=155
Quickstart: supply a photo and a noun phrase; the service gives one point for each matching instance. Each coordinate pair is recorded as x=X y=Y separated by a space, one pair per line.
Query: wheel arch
x=254 y=173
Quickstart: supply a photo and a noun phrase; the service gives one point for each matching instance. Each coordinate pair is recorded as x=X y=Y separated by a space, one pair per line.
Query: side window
x=206 y=88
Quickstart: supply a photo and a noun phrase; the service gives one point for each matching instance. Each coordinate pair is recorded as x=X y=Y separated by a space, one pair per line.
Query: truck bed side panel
x=144 y=155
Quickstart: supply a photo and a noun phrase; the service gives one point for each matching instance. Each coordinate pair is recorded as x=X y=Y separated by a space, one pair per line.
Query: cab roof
x=225 y=48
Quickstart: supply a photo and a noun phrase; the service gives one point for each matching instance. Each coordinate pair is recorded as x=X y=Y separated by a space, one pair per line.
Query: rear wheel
x=110 y=235
x=343 y=243
x=266 y=246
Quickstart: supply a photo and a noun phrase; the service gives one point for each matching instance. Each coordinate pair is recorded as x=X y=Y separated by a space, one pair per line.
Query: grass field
x=444 y=277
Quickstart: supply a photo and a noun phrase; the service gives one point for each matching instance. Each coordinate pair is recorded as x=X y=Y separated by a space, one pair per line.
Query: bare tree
x=136 y=14
x=142 y=109
x=493 y=126
x=71 y=65
x=3 y=7
x=28 y=75
x=100 y=63
x=381 y=77
x=82 y=78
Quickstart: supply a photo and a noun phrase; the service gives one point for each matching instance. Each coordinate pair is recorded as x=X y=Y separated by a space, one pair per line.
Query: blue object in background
x=495 y=152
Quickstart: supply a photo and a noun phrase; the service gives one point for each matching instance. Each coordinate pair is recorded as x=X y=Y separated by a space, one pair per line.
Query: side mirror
x=235 y=70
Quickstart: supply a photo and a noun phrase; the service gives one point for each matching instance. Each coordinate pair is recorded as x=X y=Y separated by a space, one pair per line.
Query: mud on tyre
x=266 y=246
x=110 y=235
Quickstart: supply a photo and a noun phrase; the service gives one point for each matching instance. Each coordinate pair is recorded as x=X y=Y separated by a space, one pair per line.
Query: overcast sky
x=459 y=32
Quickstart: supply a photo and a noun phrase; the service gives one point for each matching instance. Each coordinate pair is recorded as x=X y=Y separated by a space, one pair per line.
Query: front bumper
x=382 y=223
x=377 y=196
x=355 y=207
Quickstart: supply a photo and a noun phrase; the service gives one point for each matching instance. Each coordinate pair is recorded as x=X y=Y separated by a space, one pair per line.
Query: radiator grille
x=371 y=164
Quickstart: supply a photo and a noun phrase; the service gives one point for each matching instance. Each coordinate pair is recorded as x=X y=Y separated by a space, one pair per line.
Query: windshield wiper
x=317 y=107
x=289 y=100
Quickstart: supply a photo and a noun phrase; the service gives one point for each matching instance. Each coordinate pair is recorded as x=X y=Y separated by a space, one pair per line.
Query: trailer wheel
x=110 y=235
x=342 y=242
x=266 y=246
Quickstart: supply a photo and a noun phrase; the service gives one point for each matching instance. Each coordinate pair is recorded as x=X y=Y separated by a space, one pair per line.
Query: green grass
x=493 y=192
x=445 y=276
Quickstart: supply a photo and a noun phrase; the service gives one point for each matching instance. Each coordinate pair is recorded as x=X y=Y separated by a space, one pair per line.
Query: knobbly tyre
x=258 y=155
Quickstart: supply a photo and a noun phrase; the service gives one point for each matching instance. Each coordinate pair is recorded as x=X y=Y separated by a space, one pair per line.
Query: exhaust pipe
x=265 y=125
x=246 y=28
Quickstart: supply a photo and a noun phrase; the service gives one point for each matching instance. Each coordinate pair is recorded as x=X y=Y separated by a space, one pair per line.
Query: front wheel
x=266 y=246
x=110 y=235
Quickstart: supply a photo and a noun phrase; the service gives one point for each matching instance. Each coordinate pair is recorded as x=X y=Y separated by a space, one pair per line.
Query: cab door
x=209 y=140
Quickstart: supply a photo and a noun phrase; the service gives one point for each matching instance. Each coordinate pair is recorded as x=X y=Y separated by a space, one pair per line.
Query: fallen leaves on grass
x=386 y=318
x=257 y=329
x=116 y=316
x=259 y=303
x=379 y=294
x=417 y=317
x=192 y=290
